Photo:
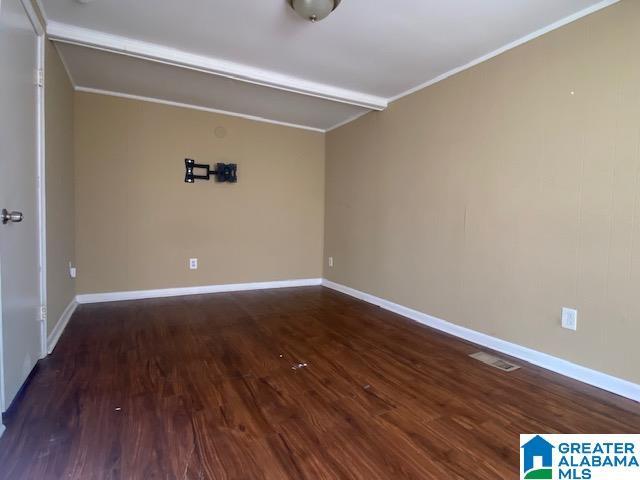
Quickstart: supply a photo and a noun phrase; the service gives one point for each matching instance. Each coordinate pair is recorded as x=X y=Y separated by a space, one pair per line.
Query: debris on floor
x=298 y=366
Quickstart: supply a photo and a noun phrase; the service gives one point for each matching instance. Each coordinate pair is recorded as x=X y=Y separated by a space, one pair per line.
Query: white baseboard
x=2 y=429
x=55 y=334
x=612 y=384
x=178 y=292
x=601 y=380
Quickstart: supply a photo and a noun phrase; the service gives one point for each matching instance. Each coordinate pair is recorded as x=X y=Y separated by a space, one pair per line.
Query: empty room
x=319 y=239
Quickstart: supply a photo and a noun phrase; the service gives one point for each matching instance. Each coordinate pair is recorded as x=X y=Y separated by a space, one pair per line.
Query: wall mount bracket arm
x=224 y=172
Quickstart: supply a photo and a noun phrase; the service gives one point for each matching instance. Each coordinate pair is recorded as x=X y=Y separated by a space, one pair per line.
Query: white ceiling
x=366 y=53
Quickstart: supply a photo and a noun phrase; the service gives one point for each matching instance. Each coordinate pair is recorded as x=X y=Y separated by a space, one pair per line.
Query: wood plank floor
x=203 y=388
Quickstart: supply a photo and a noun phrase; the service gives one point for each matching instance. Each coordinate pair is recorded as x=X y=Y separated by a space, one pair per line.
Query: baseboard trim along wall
x=178 y=292
x=55 y=334
x=601 y=380
x=606 y=382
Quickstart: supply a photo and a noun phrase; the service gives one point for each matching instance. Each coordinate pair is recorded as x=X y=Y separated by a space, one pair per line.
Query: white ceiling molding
x=319 y=105
x=113 y=43
x=38 y=5
x=509 y=46
x=33 y=17
x=194 y=107
x=104 y=71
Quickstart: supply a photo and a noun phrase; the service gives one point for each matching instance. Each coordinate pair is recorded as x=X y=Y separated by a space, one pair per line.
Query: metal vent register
x=495 y=362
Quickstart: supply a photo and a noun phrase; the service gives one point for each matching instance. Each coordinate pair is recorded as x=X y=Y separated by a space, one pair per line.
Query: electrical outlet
x=331 y=262
x=569 y=319
x=72 y=270
x=193 y=264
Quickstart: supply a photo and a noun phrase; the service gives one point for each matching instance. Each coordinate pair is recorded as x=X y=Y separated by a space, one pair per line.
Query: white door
x=19 y=241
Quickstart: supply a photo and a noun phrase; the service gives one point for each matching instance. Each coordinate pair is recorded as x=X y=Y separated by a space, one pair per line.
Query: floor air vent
x=495 y=362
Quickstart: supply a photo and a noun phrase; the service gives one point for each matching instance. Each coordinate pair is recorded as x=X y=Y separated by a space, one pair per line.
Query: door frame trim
x=42 y=194
x=40 y=31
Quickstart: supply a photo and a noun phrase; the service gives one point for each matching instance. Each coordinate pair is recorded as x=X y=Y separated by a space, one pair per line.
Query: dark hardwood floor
x=206 y=387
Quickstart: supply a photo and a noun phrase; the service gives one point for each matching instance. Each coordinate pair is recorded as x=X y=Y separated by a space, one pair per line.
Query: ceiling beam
x=149 y=51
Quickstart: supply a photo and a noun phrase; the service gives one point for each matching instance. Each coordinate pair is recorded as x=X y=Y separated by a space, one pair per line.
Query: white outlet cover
x=331 y=261
x=570 y=318
x=193 y=263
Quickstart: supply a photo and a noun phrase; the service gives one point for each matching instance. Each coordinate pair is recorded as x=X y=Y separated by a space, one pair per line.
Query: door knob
x=13 y=217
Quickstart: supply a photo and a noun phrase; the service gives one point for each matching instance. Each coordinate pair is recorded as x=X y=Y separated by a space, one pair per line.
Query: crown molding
x=35 y=20
x=70 y=34
x=112 y=93
x=161 y=101
x=61 y=32
x=527 y=38
x=40 y=8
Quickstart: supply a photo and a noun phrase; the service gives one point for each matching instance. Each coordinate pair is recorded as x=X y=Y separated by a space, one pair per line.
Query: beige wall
x=59 y=186
x=496 y=197
x=138 y=223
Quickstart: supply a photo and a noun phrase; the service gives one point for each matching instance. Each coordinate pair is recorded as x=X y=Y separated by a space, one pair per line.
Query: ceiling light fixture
x=314 y=10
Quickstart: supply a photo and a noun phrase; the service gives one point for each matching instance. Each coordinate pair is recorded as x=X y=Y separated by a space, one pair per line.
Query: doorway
x=22 y=249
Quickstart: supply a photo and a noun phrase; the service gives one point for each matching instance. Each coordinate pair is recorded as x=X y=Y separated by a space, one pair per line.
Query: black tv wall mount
x=224 y=172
